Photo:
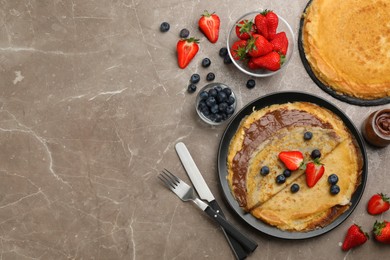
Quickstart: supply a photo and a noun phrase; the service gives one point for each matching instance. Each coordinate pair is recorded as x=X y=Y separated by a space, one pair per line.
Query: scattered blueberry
x=334 y=189
x=287 y=173
x=294 y=188
x=191 y=88
x=227 y=59
x=223 y=52
x=184 y=33
x=280 y=179
x=315 y=154
x=333 y=179
x=308 y=135
x=264 y=170
x=250 y=83
x=210 y=76
x=164 y=27
x=206 y=62
x=195 y=78
x=203 y=95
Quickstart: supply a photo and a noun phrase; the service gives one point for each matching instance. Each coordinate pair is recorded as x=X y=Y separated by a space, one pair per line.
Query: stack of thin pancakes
x=259 y=139
x=347 y=44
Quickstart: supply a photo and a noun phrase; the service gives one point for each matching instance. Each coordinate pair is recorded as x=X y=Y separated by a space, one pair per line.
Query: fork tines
x=170 y=180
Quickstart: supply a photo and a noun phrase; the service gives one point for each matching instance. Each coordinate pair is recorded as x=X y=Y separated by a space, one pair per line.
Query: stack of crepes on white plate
x=262 y=135
x=347 y=44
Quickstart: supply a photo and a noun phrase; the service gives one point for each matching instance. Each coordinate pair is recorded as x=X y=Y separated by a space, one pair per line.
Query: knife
x=240 y=251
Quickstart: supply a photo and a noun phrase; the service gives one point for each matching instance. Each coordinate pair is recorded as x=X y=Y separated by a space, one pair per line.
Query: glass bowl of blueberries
x=215 y=103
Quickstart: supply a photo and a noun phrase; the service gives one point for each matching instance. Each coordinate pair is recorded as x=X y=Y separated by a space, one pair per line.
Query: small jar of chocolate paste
x=376 y=128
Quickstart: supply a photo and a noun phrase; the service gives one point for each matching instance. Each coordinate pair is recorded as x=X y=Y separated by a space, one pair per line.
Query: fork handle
x=246 y=242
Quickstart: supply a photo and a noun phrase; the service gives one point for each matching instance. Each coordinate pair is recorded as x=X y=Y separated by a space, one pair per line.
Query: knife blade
x=204 y=193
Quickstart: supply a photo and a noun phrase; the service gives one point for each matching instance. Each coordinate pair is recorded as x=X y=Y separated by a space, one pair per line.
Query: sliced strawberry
x=272 y=23
x=382 y=232
x=186 y=51
x=280 y=43
x=314 y=171
x=355 y=237
x=238 y=50
x=244 y=29
x=271 y=61
x=258 y=46
x=291 y=159
x=378 y=204
x=209 y=25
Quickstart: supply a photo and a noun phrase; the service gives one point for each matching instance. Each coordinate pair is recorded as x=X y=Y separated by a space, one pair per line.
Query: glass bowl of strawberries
x=261 y=43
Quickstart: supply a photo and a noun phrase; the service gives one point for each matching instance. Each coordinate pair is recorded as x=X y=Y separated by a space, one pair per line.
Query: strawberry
x=355 y=237
x=261 y=24
x=314 y=171
x=382 y=231
x=271 y=61
x=280 y=43
x=209 y=25
x=378 y=204
x=291 y=159
x=272 y=23
x=258 y=46
x=238 y=50
x=244 y=29
x=186 y=51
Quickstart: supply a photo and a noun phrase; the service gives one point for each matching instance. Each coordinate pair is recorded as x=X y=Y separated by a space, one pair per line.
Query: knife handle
x=246 y=242
x=238 y=249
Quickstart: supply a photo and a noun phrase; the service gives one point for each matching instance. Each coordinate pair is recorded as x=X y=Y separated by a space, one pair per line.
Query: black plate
x=280 y=98
x=326 y=88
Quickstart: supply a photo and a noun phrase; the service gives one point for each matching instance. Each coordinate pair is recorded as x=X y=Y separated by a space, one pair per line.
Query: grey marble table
x=92 y=103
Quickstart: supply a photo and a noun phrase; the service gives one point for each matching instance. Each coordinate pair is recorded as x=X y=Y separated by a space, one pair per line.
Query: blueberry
x=195 y=78
x=280 y=179
x=334 y=189
x=223 y=106
x=231 y=100
x=218 y=88
x=250 y=83
x=264 y=170
x=224 y=116
x=294 y=188
x=315 y=154
x=213 y=92
x=191 y=88
x=164 y=27
x=227 y=59
x=227 y=91
x=202 y=105
x=230 y=110
x=184 y=33
x=210 y=76
x=221 y=96
x=333 y=179
x=307 y=135
x=212 y=117
x=223 y=52
x=218 y=117
x=214 y=109
x=203 y=95
x=205 y=111
x=287 y=173
x=206 y=62
x=210 y=101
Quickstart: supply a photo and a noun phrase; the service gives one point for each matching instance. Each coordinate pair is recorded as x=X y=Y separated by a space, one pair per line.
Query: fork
x=186 y=193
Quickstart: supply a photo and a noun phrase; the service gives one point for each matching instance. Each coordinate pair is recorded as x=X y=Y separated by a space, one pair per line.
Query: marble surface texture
x=92 y=103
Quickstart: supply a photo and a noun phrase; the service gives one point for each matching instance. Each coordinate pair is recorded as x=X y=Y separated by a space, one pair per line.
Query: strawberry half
x=258 y=46
x=355 y=237
x=186 y=51
x=382 y=231
x=209 y=25
x=244 y=29
x=314 y=171
x=378 y=204
x=291 y=159
x=280 y=43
